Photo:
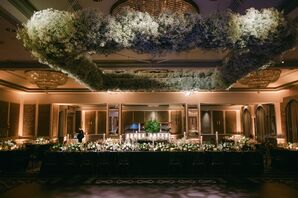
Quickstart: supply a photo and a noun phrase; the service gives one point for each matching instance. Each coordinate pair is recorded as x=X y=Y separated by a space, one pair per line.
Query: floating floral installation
x=65 y=40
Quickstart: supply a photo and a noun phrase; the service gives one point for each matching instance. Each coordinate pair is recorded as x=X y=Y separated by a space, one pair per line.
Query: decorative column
x=83 y=121
x=8 y=120
x=96 y=122
x=278 y=121
x=65 y=122
x=120 y=119
x=253 y=116
x=36 y=119
x=224 y=121
x=238 y=121
x=107 y=122
x=21 y=119
x=51 y=121
x=211 y=119
x=199 y=120
x=186 y=119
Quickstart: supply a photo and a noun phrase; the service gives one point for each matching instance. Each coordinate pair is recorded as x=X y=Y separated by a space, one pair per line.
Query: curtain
x=261 y=124
x=246 y=123
x=292 y=121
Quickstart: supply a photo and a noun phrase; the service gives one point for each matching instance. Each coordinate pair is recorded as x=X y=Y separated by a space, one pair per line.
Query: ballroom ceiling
x=16 y=80
x=14 y=59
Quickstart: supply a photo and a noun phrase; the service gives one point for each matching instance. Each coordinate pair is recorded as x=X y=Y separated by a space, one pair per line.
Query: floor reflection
x=65 y=188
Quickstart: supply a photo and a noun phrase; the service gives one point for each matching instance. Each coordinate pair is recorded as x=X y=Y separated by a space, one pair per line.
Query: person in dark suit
x=80 y=135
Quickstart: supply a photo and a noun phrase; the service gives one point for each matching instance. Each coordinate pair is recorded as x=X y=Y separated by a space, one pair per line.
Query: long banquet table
x=152 y=164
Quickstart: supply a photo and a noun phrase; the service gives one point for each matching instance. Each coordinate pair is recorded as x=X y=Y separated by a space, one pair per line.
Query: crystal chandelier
x=46 y=79
x=155 y=7
x=260 y=78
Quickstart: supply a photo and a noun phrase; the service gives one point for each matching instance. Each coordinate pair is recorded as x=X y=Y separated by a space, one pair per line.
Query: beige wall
x=278 y=98
x=152 y=97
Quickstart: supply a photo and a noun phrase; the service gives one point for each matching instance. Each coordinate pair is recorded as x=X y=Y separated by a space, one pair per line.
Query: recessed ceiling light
x=282 y=62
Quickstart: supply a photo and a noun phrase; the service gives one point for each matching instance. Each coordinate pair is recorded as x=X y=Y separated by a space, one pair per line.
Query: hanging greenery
x=64 y=41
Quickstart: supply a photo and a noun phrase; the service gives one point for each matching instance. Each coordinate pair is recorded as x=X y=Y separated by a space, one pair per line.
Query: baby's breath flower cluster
x=64 y=41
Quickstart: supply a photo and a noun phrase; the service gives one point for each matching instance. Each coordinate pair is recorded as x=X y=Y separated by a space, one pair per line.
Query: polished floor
x=31 y=185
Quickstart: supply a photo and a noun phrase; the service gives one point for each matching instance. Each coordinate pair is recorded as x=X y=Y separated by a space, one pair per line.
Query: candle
x=120 y=139
x=104 y=137
x=139 y=127
x=201 y=139
x=184 y=134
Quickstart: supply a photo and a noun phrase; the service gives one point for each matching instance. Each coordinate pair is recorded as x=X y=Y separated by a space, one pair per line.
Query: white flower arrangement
x=9 y=145
x=51 y=30
x=41 y=140
x=291 y=146
x=73 y=147
x=179 y=146
x=93 y=146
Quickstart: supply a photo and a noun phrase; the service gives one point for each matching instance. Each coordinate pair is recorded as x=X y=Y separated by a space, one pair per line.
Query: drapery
x=292 y=121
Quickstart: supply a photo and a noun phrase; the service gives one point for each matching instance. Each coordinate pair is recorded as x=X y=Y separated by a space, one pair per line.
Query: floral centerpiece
x=239 y=142
x=93 y=146
x=290 y=146
x=10 y=145
x=152 y=126
x=41 y=140
x=144 y=146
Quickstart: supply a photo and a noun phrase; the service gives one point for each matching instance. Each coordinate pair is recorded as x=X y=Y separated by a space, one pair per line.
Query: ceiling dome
x=155 y=7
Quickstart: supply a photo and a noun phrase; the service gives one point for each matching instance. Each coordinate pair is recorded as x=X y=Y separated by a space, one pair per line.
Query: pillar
x=21 y=119
x=186 y=118
x=253 y=116
x=199 y=119
x=278 y=120
x=119 y=119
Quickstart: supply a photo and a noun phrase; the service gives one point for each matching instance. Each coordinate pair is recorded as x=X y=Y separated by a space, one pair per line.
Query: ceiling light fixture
x=155 y=7
x=46 y=79
x=261 y=78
